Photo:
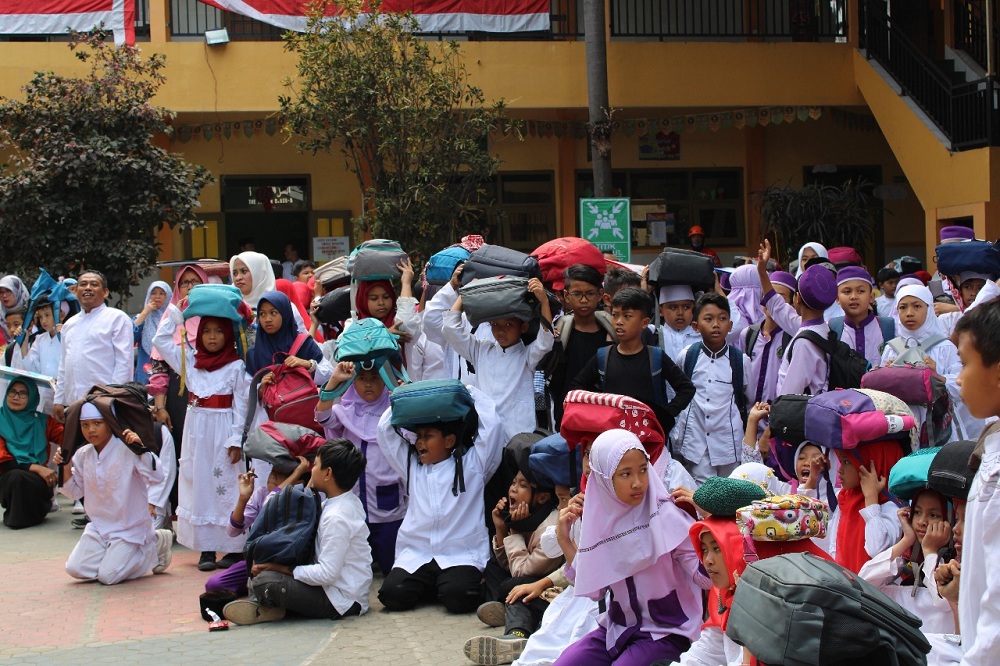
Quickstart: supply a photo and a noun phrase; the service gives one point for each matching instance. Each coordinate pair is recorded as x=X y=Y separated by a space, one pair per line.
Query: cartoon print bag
x=784 y=518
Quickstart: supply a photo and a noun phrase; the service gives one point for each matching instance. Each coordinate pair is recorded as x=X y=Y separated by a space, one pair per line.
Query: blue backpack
x=441 y=265
x=656 y=355
x=368 y=343
x=285 y=530
x=735 y=365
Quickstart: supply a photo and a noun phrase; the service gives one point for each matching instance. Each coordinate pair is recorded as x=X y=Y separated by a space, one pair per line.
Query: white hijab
x=931 y=325
x=818 y=248
x=260 y=271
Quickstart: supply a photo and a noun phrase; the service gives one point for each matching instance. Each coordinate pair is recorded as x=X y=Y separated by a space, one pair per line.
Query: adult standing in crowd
x=696 y=237
x=13 y=295
x=144 y=326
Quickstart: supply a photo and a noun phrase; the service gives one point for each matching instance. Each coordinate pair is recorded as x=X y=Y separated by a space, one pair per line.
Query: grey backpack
x=499 y=297
x=801 y=610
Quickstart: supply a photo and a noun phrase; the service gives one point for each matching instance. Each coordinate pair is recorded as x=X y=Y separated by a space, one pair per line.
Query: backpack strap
x=604 y=321
x=251 y=409
x=888 y=326
x=837 y=326
x=897 y=345
x=739 y=391
x=656 y=371
x=932 y=342
x=564 y=326
x=753 y=332
x=602 y=365
x=691 y=359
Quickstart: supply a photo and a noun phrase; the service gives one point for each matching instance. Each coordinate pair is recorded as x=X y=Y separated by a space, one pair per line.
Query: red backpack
x=293 y=396
x=555 y=256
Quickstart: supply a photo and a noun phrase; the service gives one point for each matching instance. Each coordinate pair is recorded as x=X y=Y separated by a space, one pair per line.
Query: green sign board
x=607 y=223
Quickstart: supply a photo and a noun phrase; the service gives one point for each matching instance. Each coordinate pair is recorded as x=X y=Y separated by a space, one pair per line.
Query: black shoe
x=207 y=561
x=229 y=560
x=80 y=523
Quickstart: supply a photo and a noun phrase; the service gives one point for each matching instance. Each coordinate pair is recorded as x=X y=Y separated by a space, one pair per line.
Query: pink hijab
x=745 y=293
x=617 y=540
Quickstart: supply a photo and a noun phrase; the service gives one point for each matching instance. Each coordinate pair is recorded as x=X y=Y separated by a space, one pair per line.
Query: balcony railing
x=971 y=34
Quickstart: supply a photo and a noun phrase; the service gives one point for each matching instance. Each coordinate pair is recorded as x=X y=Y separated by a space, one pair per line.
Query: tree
x=403 y=114
x=85 y=187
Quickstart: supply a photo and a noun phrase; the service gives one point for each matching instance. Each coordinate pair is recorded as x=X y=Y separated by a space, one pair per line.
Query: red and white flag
x=433 y=15
x=54 y=17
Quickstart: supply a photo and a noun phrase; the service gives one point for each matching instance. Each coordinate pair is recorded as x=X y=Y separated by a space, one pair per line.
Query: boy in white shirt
x=43 y=356
x=677 y=314
x=505 y=367
x=119 y=543
x=337 y=585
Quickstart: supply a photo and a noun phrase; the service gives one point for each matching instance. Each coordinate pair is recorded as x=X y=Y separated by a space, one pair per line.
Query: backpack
x=442 y=265
x=801 y=610
x=556 y=255
x=788 y=418
x=563 y=328
x=677 y=266
x=376 y=259
x=968 y=255
x=886 y=324
x=499 y=297
x=784 y=518
x=281 y=444
x=495 y=260
x=845 y=366
x=554 y=464
x=845 y=418
x=753 y=332
x=293 y=396
x=125 y=407
x=950 y=473
x=909 y=475
x=656 y=357
x=735 y=365
x=285 y=529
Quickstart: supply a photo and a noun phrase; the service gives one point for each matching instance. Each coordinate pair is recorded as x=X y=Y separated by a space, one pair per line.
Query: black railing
x=966 y=113
x=971 y=34
x=795 y=20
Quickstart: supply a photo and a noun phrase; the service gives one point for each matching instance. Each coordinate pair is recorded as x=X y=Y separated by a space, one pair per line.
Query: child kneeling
x=337 y=585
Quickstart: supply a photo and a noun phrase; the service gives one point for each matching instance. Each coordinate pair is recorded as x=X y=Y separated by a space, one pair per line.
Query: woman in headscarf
x=144 y=326
x=744 y=297
x=13 y=294
x=253 y=276
x=807 y=252
x=26 y=484
x=634 y=542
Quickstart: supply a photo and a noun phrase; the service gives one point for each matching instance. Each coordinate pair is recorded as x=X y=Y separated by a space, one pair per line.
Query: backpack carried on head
x=886 y=324
x=281 y=444
x=293 y=396
x=499 y=297
x=556 y=255
x=912 y=381
x=496 y=260
x=442 y=265
x=124 y=407
x=909 y=475
x=846 y=418
x=735 y=366
x=978 y=256
x=784 y=518
x=788 y=418
x=676 y=266
x=551 y=462
x=845 y=366
x=285 y=529
x=369 y=343
x=950 y=473
x=376 y=259
x=801 y=610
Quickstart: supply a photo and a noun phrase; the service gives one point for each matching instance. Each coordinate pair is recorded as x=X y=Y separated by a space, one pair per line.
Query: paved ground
x=49 y=618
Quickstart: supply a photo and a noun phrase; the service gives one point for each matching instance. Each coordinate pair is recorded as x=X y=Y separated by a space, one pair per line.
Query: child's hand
x=909 y=536
x=498 y=521
x=519 y=511
x=759 y=411
x=536 y=289
x=57 y=457
x=296 y=362
x=528 y=591
x=267 y=380
x=344 y=371
x=817 y=465
x=456 y=277
x=302 y=469
x=235 y=454
x=937 y=537
x=930 y=363
x=947 y=576
x=246 y=481
x=872 y=484
x=131 y=438
x=404 y=335
x=764 y=255
x=152 y=511
x=684 y=495
x=270 y=566
x=569 y=515
x=406 y=268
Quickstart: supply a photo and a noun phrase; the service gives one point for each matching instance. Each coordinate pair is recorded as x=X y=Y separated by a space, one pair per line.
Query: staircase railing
x=966 y=113
x=970 y=33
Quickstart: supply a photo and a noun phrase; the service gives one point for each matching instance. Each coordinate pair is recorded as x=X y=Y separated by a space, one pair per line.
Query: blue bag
x=969 y=255
x=441 y=265
x=909 y=475
x=550 y=462
x=215 y=300
x=285 y=530
x=430 y=401
x=376 y=259
x=366 y=340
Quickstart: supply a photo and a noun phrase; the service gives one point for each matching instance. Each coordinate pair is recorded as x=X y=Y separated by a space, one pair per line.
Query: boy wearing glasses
x=505 y=365
x=581 y=332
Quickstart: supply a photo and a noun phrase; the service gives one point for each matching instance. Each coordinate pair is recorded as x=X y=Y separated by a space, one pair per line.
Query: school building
x=714 y=100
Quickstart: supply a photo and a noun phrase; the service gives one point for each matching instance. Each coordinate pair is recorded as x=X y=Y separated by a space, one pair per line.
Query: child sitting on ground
x=119 y=543
x=247 y=508
x=338 y=583
x=442 y=546
x=355 y=417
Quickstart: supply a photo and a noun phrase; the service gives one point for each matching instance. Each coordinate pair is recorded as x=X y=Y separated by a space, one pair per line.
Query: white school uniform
x=674 y=342
x=865 y=339
x=433 y=325
x=343 y=562
x=439 y=525
x=96 y=349
x=426 y=360
x=207 y=483
x=711 y=431
x=923 y=601
x=43 y=355
x=882 y=528
x=119 y=543
x=979 y=586
x=506 y=375
x=884 y=306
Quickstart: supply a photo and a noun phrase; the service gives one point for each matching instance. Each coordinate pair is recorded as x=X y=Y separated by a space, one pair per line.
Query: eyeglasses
x=190 y=283
x=18 y=394
x=584 y=295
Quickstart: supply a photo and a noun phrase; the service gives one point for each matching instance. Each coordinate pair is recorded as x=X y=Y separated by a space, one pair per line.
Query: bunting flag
x=432 y=15
x=54 y=17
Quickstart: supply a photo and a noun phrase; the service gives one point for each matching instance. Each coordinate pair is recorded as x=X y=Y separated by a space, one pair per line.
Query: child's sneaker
x=78 y=508
x=490 y=650
x=55 y=505
x=164 y=541
x=207 y=561
x=492 y=613
x=244 y=611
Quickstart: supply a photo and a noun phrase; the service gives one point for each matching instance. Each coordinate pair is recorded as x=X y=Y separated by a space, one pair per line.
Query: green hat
x=723 y=497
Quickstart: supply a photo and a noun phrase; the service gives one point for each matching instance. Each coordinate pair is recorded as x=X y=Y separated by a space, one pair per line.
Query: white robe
x=43 y=356
x=927 y=604
x=96 y=349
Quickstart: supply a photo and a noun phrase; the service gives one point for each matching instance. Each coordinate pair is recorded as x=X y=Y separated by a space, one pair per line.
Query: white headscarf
x=763 y=476
x=931 y=325
x=818 y=248
x=260 y=271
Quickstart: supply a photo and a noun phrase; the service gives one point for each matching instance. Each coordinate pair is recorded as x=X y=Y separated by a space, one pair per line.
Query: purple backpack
x=848 y=417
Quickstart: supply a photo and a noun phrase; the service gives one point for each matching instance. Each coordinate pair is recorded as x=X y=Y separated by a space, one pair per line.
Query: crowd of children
x=450 y=511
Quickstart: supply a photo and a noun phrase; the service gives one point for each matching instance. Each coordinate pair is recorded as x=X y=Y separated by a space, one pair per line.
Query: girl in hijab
x=634 y=543
x=745 y=295
x=13 y=294
x=919 y=326
x=26 y=484
x=807 y=252
x=277 y=333
x=210 y=460
x=377 y=298
x=144 y=325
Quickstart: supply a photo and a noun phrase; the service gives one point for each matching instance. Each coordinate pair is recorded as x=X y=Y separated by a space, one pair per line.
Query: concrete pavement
x=46 y=617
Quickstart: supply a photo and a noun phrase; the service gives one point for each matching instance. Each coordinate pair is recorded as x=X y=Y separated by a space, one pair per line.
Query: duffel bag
x=977 y=256
x=949 y=472
x=784 y=518
x=376 y=259
x=495 y=260
x=788 y=418
x=909 y=475
x=488 y=299
x=676 y=266
x=442 y=265
x=848 y=417
x=801 y=610
x=555 y=256
x=430 y=401
x=281 y=444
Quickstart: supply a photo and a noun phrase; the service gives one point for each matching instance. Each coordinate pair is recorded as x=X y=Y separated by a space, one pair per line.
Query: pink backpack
x=293 y=396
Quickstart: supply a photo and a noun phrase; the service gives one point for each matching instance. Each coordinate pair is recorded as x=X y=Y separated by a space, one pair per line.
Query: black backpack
x=802 y=610
x=285 y=530
x=846 y=366
x=788 y=418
